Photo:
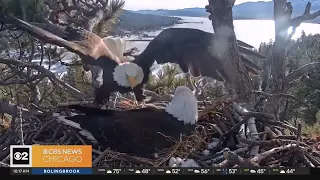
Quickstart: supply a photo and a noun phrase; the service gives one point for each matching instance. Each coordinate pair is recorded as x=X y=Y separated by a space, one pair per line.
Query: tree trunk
x=281 y=20
x=226 y=47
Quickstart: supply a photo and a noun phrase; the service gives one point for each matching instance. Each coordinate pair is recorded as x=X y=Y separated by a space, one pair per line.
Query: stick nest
x=221 y=140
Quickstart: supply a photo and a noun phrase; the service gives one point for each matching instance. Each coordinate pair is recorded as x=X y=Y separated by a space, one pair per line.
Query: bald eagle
x=191 y=49
x=139 y=131
x=93 y=51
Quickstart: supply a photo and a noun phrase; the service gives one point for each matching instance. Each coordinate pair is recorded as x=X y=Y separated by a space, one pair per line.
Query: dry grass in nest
x=278 y=141
x=183 y=148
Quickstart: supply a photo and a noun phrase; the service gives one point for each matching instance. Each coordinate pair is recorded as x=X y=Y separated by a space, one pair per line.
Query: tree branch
x=74 y=92
x=308 y=68
x=300 y=19
x=6 y=107
x=22 y=81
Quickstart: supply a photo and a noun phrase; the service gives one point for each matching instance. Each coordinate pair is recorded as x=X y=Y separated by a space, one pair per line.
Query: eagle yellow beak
x=132 y=82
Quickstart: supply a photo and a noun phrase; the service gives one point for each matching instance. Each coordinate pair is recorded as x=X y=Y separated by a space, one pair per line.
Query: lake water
x=252 y=32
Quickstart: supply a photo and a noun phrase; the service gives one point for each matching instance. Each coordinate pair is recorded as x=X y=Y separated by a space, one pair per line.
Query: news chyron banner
x=52 y=159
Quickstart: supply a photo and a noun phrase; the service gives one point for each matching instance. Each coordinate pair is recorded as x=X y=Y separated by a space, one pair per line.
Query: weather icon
x=168 y=171
x=109 y=172
x=252 y=171
x=196 y=171
x=282 y=172
x=138 y=172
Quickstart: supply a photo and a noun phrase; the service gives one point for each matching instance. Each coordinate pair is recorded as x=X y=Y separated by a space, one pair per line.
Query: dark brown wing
x=139 y=131
x=244 y=44
x=192 y=50
x=250 y=64
x=79 y=41
x=249 y=52
x=152 y=129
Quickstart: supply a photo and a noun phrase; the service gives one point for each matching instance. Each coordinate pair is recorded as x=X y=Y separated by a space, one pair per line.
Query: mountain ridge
x=247 y=10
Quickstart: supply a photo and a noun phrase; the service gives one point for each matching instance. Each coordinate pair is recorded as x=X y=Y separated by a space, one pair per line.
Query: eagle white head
x=128 y=74
x=184 y=105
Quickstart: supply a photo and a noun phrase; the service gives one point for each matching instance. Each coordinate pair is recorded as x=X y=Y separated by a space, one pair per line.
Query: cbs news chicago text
x=77 y=159
x=47 y=159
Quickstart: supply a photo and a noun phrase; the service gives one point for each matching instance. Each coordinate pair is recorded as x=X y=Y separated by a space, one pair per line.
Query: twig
x=305 y=160
x=277 y=123
x=312 y=159
x=237 y=151
x=296 y=74
x=299 y=132
x=259 y=157
x=101 y=156
x=19 y=115
x=232 y=159
x=96 y=151
x=22 y=81
x=49 y=74
x=281 y=95
x=171 y=153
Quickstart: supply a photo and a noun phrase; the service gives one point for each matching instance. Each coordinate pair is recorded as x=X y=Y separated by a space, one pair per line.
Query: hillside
x=248 y=10
x=136 y=22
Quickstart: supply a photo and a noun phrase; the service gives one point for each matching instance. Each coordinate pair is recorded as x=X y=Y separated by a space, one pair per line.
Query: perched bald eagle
x=191 y=49
x=139 y=131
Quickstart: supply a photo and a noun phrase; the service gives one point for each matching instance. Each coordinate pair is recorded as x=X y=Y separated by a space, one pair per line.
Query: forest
x=282 y=116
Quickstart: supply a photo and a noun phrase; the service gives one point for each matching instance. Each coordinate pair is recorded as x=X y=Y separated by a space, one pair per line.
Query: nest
x=221 y=139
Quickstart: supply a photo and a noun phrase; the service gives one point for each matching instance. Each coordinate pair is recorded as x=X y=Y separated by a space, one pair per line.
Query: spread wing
x=192 y=50
x=79 y=41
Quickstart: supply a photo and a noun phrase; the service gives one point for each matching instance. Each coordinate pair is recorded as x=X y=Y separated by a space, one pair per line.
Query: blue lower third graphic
x=66 y=171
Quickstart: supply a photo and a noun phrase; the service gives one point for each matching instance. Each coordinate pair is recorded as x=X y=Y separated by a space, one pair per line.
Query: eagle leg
x=135 y=102
x=101 y=95
x=138 y=97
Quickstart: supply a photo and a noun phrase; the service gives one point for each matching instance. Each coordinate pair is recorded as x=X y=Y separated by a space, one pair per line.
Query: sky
x=170 y=4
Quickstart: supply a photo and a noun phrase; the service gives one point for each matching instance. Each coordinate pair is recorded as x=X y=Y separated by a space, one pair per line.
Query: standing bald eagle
x=139 y=131
x=93 y=51
x=192 y=50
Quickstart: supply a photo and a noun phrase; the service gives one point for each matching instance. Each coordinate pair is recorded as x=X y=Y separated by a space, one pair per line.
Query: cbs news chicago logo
x=51 y=156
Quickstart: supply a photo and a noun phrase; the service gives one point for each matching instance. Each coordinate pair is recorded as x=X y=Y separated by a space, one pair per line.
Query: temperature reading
x=175 y=171
x=232 y=171
x=290 y=171
x=261 y=171
x=116 y=171
x=145 y=171
x=204 y=171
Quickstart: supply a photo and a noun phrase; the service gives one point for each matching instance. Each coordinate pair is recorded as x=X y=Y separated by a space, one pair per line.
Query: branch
x=6 y=107
x=296 y=74
x=22 y=81
x=76 y=93
x=281 y=95
x=305 y=17
x=52 y=28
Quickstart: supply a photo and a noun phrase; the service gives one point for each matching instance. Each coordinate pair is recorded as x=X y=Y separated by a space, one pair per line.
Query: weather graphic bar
x=163 y=171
